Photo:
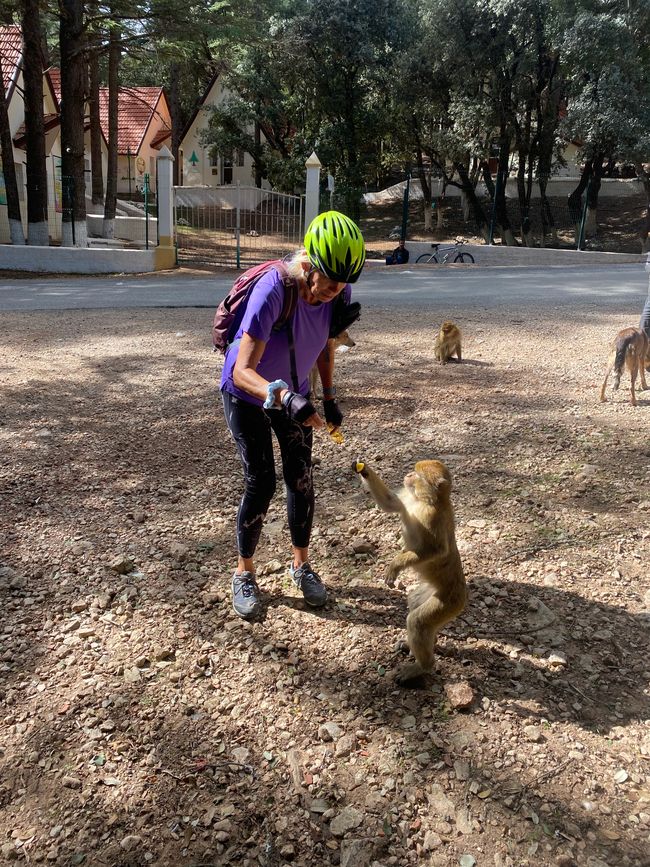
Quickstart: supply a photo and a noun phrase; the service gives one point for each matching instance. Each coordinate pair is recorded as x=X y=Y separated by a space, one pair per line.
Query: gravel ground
x=144 y=723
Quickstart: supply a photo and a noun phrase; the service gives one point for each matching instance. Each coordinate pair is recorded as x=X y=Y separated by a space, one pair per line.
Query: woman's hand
x=299 y=409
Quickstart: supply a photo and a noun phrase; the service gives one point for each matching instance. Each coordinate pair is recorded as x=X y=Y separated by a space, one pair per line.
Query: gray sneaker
x=245 y=594
x=312 y=587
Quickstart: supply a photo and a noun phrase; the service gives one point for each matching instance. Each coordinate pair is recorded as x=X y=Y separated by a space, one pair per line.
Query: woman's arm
x=246 y=377
x=325 y=364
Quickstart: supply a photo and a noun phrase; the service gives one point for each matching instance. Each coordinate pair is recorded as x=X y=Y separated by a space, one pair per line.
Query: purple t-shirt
x=311 y=326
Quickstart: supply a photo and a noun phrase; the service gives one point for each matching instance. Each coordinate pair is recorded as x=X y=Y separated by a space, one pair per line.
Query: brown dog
x=629 y=349
x=343 y=339
x=447 y=343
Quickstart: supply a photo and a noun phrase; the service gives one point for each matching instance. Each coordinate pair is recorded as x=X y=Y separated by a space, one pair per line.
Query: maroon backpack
x=231 y=311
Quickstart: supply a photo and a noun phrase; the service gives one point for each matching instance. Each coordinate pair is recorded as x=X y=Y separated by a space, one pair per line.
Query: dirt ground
x=144 y=723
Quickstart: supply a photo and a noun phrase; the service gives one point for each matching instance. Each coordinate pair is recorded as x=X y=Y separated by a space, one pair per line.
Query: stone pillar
x=312 y=188
x=165 y=251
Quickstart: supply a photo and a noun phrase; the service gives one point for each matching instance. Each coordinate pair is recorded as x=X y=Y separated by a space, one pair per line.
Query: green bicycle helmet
x=335 y=247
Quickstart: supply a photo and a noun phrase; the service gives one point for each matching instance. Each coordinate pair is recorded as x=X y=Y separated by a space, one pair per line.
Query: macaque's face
x=425 y=480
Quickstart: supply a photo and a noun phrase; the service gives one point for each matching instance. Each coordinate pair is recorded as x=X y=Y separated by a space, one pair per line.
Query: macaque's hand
x=360 y=468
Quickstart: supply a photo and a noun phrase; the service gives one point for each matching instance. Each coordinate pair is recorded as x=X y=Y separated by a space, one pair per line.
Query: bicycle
x=441 y=255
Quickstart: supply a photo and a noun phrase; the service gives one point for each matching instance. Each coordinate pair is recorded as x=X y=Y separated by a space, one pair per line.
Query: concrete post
x=165 y=252
x=312 y=188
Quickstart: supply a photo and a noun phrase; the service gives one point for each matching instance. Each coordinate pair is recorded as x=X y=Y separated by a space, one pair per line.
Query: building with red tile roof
x=11 y=57
x=11 y=54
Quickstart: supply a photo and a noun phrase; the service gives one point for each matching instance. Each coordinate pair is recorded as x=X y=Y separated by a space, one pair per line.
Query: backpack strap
x=284 y=321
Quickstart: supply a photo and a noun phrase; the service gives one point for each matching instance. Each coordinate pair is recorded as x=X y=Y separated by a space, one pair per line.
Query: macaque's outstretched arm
x=385 y=498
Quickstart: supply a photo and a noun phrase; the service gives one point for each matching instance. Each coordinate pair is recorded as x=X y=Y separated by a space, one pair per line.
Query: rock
x=71 y=625
x=9 y=851
x=362 y=547
x=356 y=853
x=467 y=861
x=542 y=615
x=477 y=523
x=160 y=654
x=121 y=564
x=329 y=731
x=178 y=551
x=132 y=675
x=346 y=820
x=272 y=567
x=431 y=841
x=130 y=842
x=557 y=659
x=441 y=805
x=462 y=770
x=534 y=734
x=319 y=805
x=345 y=745
x=460 y=694
x=70 y=782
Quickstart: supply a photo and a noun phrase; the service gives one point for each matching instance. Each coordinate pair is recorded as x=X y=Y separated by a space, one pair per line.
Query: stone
x=356 y=853
x=121 y=564
x=130 y=842
x=345 y=745
x=459 y=694
x=329 y=731
x=534 y=734
x=348 y=819
x=70 y=782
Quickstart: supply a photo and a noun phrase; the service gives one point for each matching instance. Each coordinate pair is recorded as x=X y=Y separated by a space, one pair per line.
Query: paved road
x=617 y=285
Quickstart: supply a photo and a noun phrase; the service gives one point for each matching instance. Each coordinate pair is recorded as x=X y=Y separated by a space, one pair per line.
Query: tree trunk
x=440 y=210
x=95 y=126
x=644 y=234
x=591 y=223
x=548 y=223
x=426 y=190
x=36 y=174
x=176 y=117
x=467 y=189
x=9 y=169
x=501 y=210
x=110 y=204
x=73 y=92
x=575 y=198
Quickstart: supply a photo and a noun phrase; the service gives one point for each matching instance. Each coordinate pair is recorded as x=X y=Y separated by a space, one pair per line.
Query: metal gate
x=235 y=225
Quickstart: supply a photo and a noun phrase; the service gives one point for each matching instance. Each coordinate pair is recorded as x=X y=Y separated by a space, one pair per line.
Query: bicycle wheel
x=465 y=257
x=426 y=259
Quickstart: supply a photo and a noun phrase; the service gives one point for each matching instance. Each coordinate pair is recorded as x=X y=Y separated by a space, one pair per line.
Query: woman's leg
x=295 y=447
x=644 y=324
x=295 y=443
x=250 y=428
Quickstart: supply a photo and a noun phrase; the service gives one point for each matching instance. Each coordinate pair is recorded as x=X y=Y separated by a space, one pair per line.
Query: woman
x=257 y=399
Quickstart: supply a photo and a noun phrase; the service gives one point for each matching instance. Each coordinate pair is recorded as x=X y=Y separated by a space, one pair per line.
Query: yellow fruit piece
x=335 y=433
x=359 y=466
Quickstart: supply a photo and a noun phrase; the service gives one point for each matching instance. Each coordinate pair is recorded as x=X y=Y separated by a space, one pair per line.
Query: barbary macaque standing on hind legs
x=424 y=507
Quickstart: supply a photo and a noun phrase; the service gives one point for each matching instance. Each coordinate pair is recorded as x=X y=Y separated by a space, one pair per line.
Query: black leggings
x=251 y=427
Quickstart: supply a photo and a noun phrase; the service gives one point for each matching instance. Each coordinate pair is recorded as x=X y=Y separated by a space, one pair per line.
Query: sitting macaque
x=430 y=549
x=447 y=343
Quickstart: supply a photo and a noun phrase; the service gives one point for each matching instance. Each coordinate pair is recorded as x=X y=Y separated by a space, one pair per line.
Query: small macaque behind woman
x=424 y=507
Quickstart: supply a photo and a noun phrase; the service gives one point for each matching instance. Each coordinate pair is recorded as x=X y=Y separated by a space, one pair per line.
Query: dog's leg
x=607 y=372
x=633 y=368
x=642 y=362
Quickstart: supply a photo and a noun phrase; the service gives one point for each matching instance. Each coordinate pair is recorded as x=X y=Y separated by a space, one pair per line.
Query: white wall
x=201 y=172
